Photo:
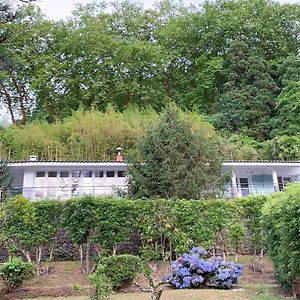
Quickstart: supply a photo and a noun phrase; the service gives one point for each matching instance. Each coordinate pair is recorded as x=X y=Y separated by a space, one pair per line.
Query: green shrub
x=281 y=223
x=101 y=284
x=14 y=272
x=121 y=269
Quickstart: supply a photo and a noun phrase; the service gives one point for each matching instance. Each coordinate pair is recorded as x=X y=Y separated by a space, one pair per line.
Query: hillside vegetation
x=234 y=62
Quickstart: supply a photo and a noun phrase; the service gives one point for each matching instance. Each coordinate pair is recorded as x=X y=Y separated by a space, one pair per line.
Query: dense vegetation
x=165 y=227
x=281 y=223
x=178 y=160
x=236 y=62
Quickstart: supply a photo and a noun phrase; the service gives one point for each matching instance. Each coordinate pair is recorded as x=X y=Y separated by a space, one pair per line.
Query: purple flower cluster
x=193 y=270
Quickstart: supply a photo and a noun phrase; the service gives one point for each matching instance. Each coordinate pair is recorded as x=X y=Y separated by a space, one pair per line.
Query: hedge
x=166 y=227
x=281 y=225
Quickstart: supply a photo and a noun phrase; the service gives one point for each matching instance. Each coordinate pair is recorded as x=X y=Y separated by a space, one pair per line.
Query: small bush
x=14 y=272
x=101 y=285
x=192 y=270
x=121 y=269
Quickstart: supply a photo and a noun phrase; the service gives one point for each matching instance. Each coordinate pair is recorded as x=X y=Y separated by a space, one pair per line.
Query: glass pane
x=76 y=174
x=121 y=173
x=64 y=174
x=52 y=174
x=99 y=174
x=87 y=173
x=40 y=174
x=110 y=174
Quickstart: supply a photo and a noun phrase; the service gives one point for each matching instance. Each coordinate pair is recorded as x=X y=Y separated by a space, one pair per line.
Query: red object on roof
x=119 y=156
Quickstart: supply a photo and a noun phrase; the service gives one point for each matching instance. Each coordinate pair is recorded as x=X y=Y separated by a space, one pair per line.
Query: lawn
x=255 y=292
x=67 y=283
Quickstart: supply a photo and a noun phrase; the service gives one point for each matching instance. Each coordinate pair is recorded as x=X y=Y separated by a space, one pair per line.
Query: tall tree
x=248 y=101
x=287 y=122
x=178 y=161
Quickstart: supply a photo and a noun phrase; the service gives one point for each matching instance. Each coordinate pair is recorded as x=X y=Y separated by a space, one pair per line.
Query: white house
x=37 y=179
x=260 y=176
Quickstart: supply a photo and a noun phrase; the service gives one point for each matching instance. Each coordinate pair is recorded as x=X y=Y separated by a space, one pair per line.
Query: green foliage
x=6 y=179
x=165 y=226
x=121 y=269
x=86 y=135
x=116 y=218
x=178 y=160
x=285 y=147
x=288 y=104
x=101 y=285
x=79 y=218
x=281 y=223
x=250 y=212
x=241 y=71
x=18 y=224
x=14 y=272
x=47 y=222
x=247 y=104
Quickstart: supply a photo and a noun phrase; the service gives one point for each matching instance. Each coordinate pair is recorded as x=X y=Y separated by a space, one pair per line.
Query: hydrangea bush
x=194 y=270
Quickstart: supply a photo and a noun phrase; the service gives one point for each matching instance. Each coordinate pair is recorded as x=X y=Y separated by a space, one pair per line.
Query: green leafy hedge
x=281 y=224
x=165 y=226
x=121 y=269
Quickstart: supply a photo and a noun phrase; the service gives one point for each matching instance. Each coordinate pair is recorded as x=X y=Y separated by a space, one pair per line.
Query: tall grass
x=86 y=135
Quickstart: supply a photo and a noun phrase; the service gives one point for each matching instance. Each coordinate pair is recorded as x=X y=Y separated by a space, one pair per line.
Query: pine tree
x=178 y=161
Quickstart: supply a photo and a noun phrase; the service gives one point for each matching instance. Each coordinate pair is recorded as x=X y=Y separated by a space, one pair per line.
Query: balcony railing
x=261 y=189
x=64 y=192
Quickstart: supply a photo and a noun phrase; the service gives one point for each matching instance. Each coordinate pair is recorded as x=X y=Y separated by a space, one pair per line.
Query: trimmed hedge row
x=281 y=224
x=165 y=226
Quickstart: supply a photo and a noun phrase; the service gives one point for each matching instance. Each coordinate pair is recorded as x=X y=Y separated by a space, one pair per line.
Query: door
x=243 y=185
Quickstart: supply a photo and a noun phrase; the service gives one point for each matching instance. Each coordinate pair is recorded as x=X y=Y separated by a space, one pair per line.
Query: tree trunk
x=9 y=105
x=87 y=257
x=115 y=250
x=38 y=258
x=50 y=258
x=21 y=92
x=26 y=254
x=261 y=263
x=168 y=87
x=253 y=260
x=81 y=258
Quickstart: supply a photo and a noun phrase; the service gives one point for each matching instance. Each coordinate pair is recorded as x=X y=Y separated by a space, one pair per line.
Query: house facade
x=260 y=177
x=38 y=179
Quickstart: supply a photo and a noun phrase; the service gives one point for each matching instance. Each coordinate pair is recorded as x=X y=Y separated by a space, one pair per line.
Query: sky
x=59 y=9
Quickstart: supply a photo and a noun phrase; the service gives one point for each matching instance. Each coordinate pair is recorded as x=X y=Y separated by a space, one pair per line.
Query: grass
x=252 y=291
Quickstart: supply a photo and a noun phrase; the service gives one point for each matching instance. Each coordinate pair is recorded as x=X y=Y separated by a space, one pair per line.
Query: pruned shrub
x=281 y=223
x=101 y=284
x=14 y=272
x=121 y=269
x=194 y=270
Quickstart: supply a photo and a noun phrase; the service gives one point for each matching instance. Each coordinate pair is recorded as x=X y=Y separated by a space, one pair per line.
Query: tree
x=79 y=220
x=18 y=221
x=247 y=103
x=178 y=160
x=286 y=122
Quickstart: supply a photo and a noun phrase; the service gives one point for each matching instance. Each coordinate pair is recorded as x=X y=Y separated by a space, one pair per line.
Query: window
x=76 y=174
x=110 y=174
x=40 y=174
x=64 y=174
x=87 y=173
x=52 y=174
x=99 y=174
x=121 y=173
